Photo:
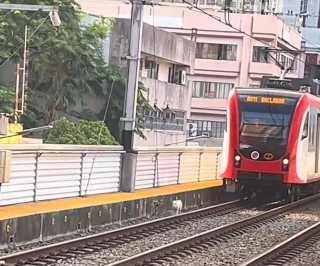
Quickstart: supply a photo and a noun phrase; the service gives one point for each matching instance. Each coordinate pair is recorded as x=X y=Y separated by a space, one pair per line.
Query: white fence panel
x=145 y=170
x=101 y=173
x=58 y=176
x=167 y=169
x=22 y=180
x=208 y=166
x=189 y=167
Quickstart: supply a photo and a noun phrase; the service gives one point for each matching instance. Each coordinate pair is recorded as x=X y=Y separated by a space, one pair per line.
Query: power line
x=249 y=35
x=16 y=51
x=20 y=29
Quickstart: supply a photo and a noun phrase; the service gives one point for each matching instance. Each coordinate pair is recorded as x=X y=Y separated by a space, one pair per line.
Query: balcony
x=176 y=96
x=217 y=67
x=209 y=106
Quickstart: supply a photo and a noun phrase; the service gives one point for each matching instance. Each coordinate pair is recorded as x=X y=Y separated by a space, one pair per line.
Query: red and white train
x=272 y=138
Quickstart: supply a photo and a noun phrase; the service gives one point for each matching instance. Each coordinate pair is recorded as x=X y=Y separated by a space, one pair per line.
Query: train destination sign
x=270 y=100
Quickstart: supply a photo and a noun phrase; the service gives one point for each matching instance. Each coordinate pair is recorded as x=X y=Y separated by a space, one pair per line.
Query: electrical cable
x=99 y=136
x=16 y=51
x=240 y=31
x=20 y=29
x=103 y=121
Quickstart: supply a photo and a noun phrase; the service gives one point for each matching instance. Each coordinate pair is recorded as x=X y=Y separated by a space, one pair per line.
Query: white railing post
x=36 y=177
x=81 y=173
x=217 y=165
x=199 y=167
x=156 y=171
x=179 y=167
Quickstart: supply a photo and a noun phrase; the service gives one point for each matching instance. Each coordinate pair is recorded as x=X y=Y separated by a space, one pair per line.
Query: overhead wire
x=20 y=29
x=196 y=8
x=17 y=50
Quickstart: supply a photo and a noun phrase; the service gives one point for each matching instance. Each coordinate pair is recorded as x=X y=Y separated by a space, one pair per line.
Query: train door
x=317 y=144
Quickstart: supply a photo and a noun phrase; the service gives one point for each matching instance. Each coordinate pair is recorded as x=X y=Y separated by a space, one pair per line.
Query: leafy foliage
x=66 y=65
x=7 y=99
x=84 y=132
x=115 y=110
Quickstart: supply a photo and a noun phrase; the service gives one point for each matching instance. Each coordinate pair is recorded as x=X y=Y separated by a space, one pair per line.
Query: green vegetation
x=66 y=65
x=84 y=132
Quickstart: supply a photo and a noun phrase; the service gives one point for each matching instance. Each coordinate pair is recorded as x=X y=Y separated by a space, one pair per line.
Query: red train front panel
x=263 y=134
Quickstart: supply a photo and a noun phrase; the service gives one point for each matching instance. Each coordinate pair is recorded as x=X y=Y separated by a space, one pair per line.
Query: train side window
x=305 y=127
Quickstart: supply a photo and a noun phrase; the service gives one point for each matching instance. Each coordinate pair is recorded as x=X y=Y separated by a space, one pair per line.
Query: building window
x=216 y=51
x=153 y=73
x=211 y=90
x=209 y=128
x=260 y=55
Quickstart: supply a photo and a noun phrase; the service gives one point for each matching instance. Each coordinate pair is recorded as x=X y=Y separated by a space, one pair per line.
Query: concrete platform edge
x=41 y=227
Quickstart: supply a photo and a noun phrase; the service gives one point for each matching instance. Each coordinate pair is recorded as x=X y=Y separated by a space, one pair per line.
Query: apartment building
x=225 y=57
x=166 y=63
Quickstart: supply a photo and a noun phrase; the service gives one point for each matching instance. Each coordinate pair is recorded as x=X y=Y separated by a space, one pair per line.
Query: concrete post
x=130 y=106
x=128 y=172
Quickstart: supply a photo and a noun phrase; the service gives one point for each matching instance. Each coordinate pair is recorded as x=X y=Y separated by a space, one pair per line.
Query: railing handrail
x=140 y=149
x=60 y=147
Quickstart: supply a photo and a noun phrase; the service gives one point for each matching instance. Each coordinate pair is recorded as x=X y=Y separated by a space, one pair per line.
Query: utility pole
x=55 y=20
x=130 y=105
x=129 y=159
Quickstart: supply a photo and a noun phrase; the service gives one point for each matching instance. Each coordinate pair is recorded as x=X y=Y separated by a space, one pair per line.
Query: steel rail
x=92 y=243
x=288 y=249
x=185 y=247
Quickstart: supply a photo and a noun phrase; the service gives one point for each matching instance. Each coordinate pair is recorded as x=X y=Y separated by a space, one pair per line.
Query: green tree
x=7 y=99
x=83 y=132
x=66 y=65
x=117 y=83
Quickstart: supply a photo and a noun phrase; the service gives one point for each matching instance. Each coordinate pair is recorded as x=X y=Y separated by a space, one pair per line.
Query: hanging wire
x=99 y=136
x=16 y=51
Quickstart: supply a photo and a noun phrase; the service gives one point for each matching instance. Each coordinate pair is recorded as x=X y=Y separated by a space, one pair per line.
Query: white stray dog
x=177 y=205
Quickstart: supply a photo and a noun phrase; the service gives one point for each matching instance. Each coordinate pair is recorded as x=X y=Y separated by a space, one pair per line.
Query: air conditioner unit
x=150 y=65
x=182 y=77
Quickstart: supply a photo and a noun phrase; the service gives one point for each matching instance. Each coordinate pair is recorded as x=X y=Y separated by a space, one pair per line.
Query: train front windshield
x=265 y=123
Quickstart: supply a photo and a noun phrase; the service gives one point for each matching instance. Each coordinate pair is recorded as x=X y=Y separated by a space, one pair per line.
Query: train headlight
x=285 y=164
x=285 y=161
x=237 y=160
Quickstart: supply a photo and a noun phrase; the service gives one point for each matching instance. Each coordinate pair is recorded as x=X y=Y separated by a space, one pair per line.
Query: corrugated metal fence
x=171 y=166
x=47 y=172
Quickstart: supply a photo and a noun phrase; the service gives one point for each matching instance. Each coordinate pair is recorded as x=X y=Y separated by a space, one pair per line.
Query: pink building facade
x=225 y=57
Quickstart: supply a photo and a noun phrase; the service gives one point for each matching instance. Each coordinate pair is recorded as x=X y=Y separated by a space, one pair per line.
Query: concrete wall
x=168 y=46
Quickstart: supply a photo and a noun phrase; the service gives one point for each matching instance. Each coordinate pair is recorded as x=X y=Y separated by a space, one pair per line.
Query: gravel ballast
x=308 y=257
x=189 y=228
x=241 y=248
x=233 y=252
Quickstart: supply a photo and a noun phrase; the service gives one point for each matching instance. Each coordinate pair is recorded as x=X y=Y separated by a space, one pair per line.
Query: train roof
x=311 y=86
x=293 y=87
x=274 y=91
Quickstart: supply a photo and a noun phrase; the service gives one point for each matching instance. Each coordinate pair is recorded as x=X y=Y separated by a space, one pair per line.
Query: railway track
x=288 y=249
x=50 y=254
x=177 y=250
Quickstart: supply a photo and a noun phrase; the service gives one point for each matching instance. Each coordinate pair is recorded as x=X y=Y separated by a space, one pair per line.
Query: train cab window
x=305 y=127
